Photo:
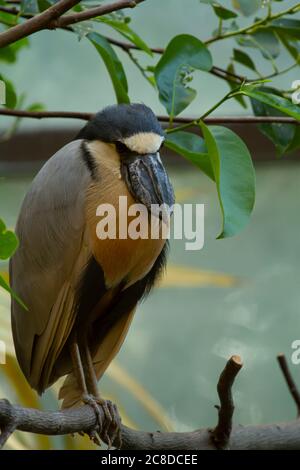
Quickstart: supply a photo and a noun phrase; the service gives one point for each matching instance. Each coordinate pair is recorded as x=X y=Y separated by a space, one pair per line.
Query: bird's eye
x=121 y=148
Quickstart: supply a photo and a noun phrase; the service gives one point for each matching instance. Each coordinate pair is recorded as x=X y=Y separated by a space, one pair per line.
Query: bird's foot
x=109 y=428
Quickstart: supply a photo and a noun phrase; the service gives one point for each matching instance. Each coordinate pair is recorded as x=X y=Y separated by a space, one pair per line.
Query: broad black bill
x=147 y=180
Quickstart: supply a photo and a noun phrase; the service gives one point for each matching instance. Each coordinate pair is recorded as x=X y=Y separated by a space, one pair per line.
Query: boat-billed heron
x=81 y=291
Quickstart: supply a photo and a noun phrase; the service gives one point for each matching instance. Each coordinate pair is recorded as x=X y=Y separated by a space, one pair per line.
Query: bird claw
x=109 y=429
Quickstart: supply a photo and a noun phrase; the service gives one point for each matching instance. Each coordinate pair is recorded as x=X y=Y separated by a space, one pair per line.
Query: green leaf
x=265 y=40
x=295 y=143
x=29 y=7
x=5 y=286
x=36 y=107
x=224 y=13
x=278 y=102
x=8 y=242
x=289 y=27
x=9 y=53
x=242 y=58
x=281 y=135
x=246 y=7
x=113 y=65
x=126 y=31
x=8 y=245
x=183 y=54
x=8 y=19
x=10 y=94
x=43 y=4
x=234 y=176
x=191 y=147
x=291 y=46
x=220 y=10
x=239 y=98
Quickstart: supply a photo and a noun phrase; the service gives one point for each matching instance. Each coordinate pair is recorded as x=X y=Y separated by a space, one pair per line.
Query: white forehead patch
x=144 y=142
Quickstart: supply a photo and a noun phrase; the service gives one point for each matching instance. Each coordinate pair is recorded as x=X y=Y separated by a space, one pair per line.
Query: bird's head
x=138 y=138
x=133 y=128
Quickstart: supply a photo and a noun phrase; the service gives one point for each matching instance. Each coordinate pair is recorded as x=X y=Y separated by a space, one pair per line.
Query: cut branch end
x=221 y=434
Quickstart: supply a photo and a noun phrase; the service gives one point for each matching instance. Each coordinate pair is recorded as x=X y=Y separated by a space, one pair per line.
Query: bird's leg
x=112 y=427
x=78 y=367
x=86 y=398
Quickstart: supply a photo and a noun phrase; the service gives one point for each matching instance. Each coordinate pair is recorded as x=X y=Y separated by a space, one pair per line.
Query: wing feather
x=42 y=271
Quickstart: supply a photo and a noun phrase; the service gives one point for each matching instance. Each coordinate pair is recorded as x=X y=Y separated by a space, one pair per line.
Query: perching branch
x=180 y=120
x=263 y=437
x=52 y=18
x=290 y=381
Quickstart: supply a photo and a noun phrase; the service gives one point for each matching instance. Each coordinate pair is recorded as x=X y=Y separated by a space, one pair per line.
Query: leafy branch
x=171 y=77
x=52 y=18
x=256 y=25
x=127 y=46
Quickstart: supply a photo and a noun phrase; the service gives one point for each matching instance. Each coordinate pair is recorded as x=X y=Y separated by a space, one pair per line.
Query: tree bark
x=278 y=436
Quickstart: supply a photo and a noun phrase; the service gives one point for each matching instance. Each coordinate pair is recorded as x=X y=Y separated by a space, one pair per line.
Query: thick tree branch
x=52 y=18
x=36 y=23
x=289 y=381
x=221 y=433
x=263 y=437
x=180 y=120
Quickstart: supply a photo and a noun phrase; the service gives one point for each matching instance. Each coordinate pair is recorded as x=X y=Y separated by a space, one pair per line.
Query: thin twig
x=254 y=26
x=180 y=120
x=289 y=381
x=74 y=18
x=221 y=434
x=45 y=114
x=234 y=120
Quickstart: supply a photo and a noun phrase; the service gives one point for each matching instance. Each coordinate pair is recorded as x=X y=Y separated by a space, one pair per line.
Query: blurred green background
x=235 y=296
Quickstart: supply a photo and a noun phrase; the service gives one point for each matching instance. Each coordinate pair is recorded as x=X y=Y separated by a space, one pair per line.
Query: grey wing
x=51 y=232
